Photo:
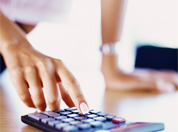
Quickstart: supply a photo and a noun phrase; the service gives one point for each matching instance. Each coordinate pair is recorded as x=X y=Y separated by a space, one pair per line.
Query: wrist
x=109 y=48
x=109 y=65
x=13 y=44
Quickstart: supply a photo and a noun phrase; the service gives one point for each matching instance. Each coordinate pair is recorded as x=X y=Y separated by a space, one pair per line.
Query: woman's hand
x=138 y=80
x=29 y=68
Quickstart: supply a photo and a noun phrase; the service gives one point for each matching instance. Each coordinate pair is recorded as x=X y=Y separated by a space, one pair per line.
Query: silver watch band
x=108 y=48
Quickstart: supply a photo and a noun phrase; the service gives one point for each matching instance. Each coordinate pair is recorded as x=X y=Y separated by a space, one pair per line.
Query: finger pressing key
x=73 y=87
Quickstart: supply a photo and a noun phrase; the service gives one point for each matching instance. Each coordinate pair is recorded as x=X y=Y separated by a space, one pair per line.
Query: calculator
x=70 y=120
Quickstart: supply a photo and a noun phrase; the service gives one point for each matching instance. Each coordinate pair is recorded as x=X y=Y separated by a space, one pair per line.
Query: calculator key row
x=46 y=120
x=54 y=123
x=94 y=111
x=102 y=114
x=60 y=126
x=72 y=115
x=50 y=113
x=80 y=118
x=71 y=109
x=60 y=117
x=67 y=120
x=102 y=119
x=37 y=116
x=65 y=113
x=78 y=125
x=91 y=116
x=110 y=117
x=58 y=111
x=70 y=129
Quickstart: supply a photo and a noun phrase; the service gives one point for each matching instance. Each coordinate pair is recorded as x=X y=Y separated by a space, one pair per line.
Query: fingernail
x=171 y=88
x=166 y=87
x=84 y=108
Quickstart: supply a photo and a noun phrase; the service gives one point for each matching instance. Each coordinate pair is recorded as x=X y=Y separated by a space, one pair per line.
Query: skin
x=139 y=80
x=29 y=68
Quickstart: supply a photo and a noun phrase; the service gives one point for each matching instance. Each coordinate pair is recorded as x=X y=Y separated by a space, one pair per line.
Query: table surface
x=132 y=106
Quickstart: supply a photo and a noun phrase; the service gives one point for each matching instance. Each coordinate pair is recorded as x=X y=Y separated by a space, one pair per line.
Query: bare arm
x=29 y=68
x=112 y=18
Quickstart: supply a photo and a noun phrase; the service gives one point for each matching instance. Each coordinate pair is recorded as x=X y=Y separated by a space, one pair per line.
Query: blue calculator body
x=70 y=120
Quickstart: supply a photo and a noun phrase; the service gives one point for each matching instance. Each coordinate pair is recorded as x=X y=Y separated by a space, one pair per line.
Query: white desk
x=132 y=106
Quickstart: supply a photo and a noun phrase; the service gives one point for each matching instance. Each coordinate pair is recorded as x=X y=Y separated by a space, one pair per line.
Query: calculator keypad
x=70 y=120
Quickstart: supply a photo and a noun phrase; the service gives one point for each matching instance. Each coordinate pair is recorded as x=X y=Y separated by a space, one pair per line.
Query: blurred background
x=77 y=41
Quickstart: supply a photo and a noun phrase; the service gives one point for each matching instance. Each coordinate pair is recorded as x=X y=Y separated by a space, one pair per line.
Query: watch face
x=108 y=49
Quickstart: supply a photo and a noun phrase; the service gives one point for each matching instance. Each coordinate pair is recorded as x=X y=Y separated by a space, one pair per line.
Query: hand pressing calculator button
x=70 y=120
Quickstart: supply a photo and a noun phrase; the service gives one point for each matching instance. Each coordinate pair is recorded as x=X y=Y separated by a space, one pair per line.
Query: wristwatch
x=108 y=48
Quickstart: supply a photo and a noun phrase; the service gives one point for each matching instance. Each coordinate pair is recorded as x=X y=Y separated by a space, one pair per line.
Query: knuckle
x=39 y=103
x=41 y=63
x=46 y=64
x=24 y=98
x=15 y=72
x=58 y=61
x=29 y=69
x=52 y=101
x=73 y=83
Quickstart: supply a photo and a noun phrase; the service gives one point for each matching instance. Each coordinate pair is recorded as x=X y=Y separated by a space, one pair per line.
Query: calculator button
x=53 y=123
x=91 y=116
x=110 y=117
x=58 y=111
x=96 y=124
x=75 y=122
x=67 y=120
x=118 y=120
x=71 y=109
x=72 y=115
x=45 y=120
x=80 y=118
x=84 y=114
x=61 y=125
x=60 y=117
x=84 y=126
x=65 y=113
x=102 y=114
x=70 y=129
x=100 y=119
x=50 y=113
x=87 y=120
x=37 y=116
x=75 y=112
x=94 y=111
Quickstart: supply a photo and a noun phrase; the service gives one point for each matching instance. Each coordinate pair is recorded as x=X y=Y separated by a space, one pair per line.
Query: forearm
x=112 y=17
x=10 y=33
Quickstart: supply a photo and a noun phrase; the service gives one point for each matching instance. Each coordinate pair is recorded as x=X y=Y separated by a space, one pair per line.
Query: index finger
x=73 y=87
